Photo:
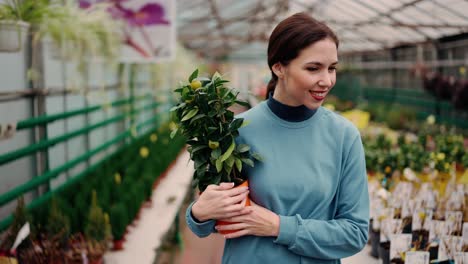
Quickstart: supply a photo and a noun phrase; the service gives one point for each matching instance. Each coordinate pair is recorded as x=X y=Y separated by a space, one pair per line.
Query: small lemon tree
x=204 y=118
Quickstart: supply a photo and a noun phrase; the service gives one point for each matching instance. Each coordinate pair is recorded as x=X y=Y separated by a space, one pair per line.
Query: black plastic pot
x=433 y=252
x=384 y=252
x=420 y=238
x=374 y=237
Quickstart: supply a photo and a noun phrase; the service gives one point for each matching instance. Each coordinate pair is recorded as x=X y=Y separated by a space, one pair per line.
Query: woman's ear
x=278 y=70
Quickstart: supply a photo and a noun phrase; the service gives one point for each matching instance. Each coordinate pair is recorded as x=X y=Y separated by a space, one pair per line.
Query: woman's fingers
x=236 y=191
x=225 y=186
x=234 y=226
x=242 y=232
x=237 y=199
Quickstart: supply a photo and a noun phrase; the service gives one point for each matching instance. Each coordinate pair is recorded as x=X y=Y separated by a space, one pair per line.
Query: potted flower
x=203 y=117
x=16 y=17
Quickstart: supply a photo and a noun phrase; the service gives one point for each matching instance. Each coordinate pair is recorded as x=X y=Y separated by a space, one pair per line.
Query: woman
x=310 y=198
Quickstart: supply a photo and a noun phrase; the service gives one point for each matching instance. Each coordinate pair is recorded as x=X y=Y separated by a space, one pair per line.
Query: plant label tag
x=438 y=230
x=417 y=257
x=448 y=246
x=399 y=244
x=461 y=258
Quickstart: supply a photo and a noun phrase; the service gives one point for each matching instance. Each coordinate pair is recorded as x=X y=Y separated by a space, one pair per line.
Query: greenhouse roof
x=240 y=28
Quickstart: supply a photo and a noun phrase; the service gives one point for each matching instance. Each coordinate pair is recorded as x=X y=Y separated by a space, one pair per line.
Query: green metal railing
x=44 y=144
x=37 y=181
x=42 y=120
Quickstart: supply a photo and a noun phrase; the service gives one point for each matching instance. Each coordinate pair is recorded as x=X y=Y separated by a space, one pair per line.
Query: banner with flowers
x=148 y=28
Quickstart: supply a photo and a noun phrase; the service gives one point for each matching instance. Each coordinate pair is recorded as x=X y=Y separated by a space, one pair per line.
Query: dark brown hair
x=290 y=37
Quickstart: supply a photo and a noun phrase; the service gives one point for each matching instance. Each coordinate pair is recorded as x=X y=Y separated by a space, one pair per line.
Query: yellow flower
x=422 y=215
x=154 y=137
x=144 y=152
x=447 y=166
x=462 y=70
x=430 y=120
x=117 y=178
x=440 y=156
x=388 y=169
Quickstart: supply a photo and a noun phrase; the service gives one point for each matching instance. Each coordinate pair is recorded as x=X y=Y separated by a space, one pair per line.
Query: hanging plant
x=16 y=18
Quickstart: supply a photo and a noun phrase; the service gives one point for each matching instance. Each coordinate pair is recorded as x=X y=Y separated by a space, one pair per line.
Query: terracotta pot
x=8 y=260
x=118 y=245
x=247 y=203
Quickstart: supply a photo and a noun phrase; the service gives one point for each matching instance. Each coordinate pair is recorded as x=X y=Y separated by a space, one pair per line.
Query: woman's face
x=308 y=78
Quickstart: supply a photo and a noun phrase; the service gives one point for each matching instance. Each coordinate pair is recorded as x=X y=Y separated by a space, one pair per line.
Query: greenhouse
x=233 y=131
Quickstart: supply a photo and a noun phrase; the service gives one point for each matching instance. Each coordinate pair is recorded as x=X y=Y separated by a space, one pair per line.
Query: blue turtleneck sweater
x=289 y=113
x=313 y=176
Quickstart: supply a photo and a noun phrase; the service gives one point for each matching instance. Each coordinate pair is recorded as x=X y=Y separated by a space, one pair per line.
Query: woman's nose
x=325 y=80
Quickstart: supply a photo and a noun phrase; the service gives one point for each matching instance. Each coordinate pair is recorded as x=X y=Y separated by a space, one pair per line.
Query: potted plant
x=97 y=228
x=16 y=17
x=118 y=220
x=203 y=117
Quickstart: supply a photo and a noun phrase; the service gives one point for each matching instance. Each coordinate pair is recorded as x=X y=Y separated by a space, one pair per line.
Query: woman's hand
x=259 y=222
x=221 y=201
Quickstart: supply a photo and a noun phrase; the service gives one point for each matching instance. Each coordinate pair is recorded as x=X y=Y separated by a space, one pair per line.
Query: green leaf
x=243 y=148
x=239 y=164
x=242 y=103
x=230 y=161
x=185 y=91
x=177 y=107
x=193 y=76
x=197 y=148
x=236 y=124
x=173 y=133
x=217 y=179
x=190 y=114
x=248 y=162
x=216 y=75
x=219 y=165
x=228 y=151
x=216 y=153
x=257 y=156
x=197 y=117
x=245 y=123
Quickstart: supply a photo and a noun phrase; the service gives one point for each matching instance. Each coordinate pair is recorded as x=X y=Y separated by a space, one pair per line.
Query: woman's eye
x=312 y=69
x=332 y=69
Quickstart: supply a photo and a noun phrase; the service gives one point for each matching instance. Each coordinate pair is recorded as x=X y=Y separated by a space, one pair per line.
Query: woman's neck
x=289 y=113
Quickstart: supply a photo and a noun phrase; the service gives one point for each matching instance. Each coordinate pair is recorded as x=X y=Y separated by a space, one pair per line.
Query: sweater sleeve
x=201 y=229
x=347 y=233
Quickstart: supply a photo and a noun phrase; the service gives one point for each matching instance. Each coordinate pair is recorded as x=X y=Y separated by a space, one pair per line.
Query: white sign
x=417 y=257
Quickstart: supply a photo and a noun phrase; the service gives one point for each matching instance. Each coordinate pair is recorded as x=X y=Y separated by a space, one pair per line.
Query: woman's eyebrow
x=319 y=63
